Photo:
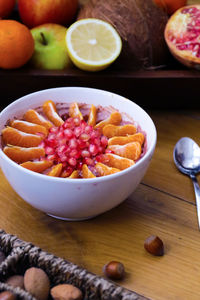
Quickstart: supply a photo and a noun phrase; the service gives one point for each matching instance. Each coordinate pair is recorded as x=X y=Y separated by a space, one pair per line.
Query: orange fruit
x=29 y=127
x=34 y=117
x=49 y=109
x=16 y=137
x=92 y=116
x=104 y=170
x=86 y=173
x=113 y=130
x=37 y=166
x=118 y=162
x=6 y=7
x=17 y=44
x=75 y=174
x=114 y=118
x=122 y=140
x=20 y=154
x=55 y=171
x=170 y=6
x=131 y=150
x=74 y=111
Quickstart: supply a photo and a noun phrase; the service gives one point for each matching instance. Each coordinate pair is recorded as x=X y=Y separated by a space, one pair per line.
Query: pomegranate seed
x=77 y=131
x=88 y=129
x=60 y=135
x=85 y=137
x=72 y=161
x=104 y=141
x=94 y=134
x=68 y=133
x=89 y=161
x=73 y=143
x=51 y=157
x=77 y=121
x=74 y=153
x=85 y=153
x=61 y=149
x=49 y=150
x=63 y=158
x=79 y=165
x=53 y=130
x=81 y=144
x=93 y=149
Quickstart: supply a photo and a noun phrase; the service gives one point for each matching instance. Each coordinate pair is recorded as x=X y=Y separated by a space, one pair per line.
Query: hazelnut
x=66 y=292
x=16 y=281
x=2 y=256
x=37 y=283
x=114 y=270
x=7 y=296
x=154 y=245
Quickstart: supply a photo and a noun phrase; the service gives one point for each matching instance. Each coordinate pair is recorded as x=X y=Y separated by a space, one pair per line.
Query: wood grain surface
x=163 y=205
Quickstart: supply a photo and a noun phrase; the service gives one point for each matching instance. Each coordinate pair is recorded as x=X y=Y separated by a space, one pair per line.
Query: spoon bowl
x=187 y=159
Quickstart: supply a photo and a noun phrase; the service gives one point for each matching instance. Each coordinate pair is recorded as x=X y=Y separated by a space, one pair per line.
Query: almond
x=66 y=292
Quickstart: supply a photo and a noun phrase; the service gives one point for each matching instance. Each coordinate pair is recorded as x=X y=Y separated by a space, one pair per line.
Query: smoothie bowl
x=74 y=152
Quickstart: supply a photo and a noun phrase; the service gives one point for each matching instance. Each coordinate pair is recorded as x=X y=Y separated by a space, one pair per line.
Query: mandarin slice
x=131 y=150
x=29 y=127
x=37 y=166
x=122 y=140
x=20 y=154
x=92 y=116
x=111 y=130
x=49 y=109
x=86 y=173
x=75 y=174
x=16 y=137
x=104 y=170
x=114 y=118
x=55 y=170
x=34 y=117
x=116 y=161
x=74 y=111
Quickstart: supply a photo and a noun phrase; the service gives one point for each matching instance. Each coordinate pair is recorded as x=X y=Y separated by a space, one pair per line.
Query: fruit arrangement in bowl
x=75 y=152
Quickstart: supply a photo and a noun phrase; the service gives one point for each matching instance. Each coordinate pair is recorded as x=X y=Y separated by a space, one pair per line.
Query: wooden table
x=163 y=205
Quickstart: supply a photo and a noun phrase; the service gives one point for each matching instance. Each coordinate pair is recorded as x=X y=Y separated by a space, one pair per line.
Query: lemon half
x=93 y=44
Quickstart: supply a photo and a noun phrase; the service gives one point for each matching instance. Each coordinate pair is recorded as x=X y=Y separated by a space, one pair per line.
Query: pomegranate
x=137 y=23
x=73 y=144
x=182 y=35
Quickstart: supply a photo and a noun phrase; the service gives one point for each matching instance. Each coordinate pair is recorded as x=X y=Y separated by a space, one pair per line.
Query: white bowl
x=77 y=199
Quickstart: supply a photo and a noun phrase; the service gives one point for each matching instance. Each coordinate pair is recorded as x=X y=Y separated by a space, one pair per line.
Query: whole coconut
x=140 y=23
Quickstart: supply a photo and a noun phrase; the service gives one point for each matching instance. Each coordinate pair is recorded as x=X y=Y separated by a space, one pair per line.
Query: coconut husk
x=140 y=23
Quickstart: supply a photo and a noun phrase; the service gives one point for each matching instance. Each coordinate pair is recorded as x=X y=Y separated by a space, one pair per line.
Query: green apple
x=50 y=51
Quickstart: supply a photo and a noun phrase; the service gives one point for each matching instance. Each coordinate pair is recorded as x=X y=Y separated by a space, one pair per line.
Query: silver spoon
x=187 y=159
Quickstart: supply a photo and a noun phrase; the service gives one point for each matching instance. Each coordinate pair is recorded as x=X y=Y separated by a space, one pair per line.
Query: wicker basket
x=21 y=255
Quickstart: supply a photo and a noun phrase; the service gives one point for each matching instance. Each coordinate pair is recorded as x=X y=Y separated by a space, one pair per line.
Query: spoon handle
x=197 y=194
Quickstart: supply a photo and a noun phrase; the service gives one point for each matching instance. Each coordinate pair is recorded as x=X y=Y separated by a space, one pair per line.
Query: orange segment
x=55 y=171
x=86 y=173
x=16 y=137
x=114 y=118
x=49 y=109
x=111 y=130
x=75 y=174
x=104 y=170
x=116 y=161
x=74 y=111
x=28 y=127
x=34 y=117
x=122 y=140
x=20 y=155
x=131 y=150
x=92 y=116
x=37 y=166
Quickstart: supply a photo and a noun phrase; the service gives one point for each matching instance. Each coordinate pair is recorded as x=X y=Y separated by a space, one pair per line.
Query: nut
x=2 y=256
x=37 y=283
x=154 y=245
x=16 y=281
x=66 y=292
x=7 y=296
x=114 y=270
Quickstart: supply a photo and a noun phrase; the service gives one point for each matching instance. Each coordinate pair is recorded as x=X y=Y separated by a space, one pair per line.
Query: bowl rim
x=146 y=156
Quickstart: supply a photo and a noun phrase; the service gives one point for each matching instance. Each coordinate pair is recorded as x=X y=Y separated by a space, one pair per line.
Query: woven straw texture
x=21 y=255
